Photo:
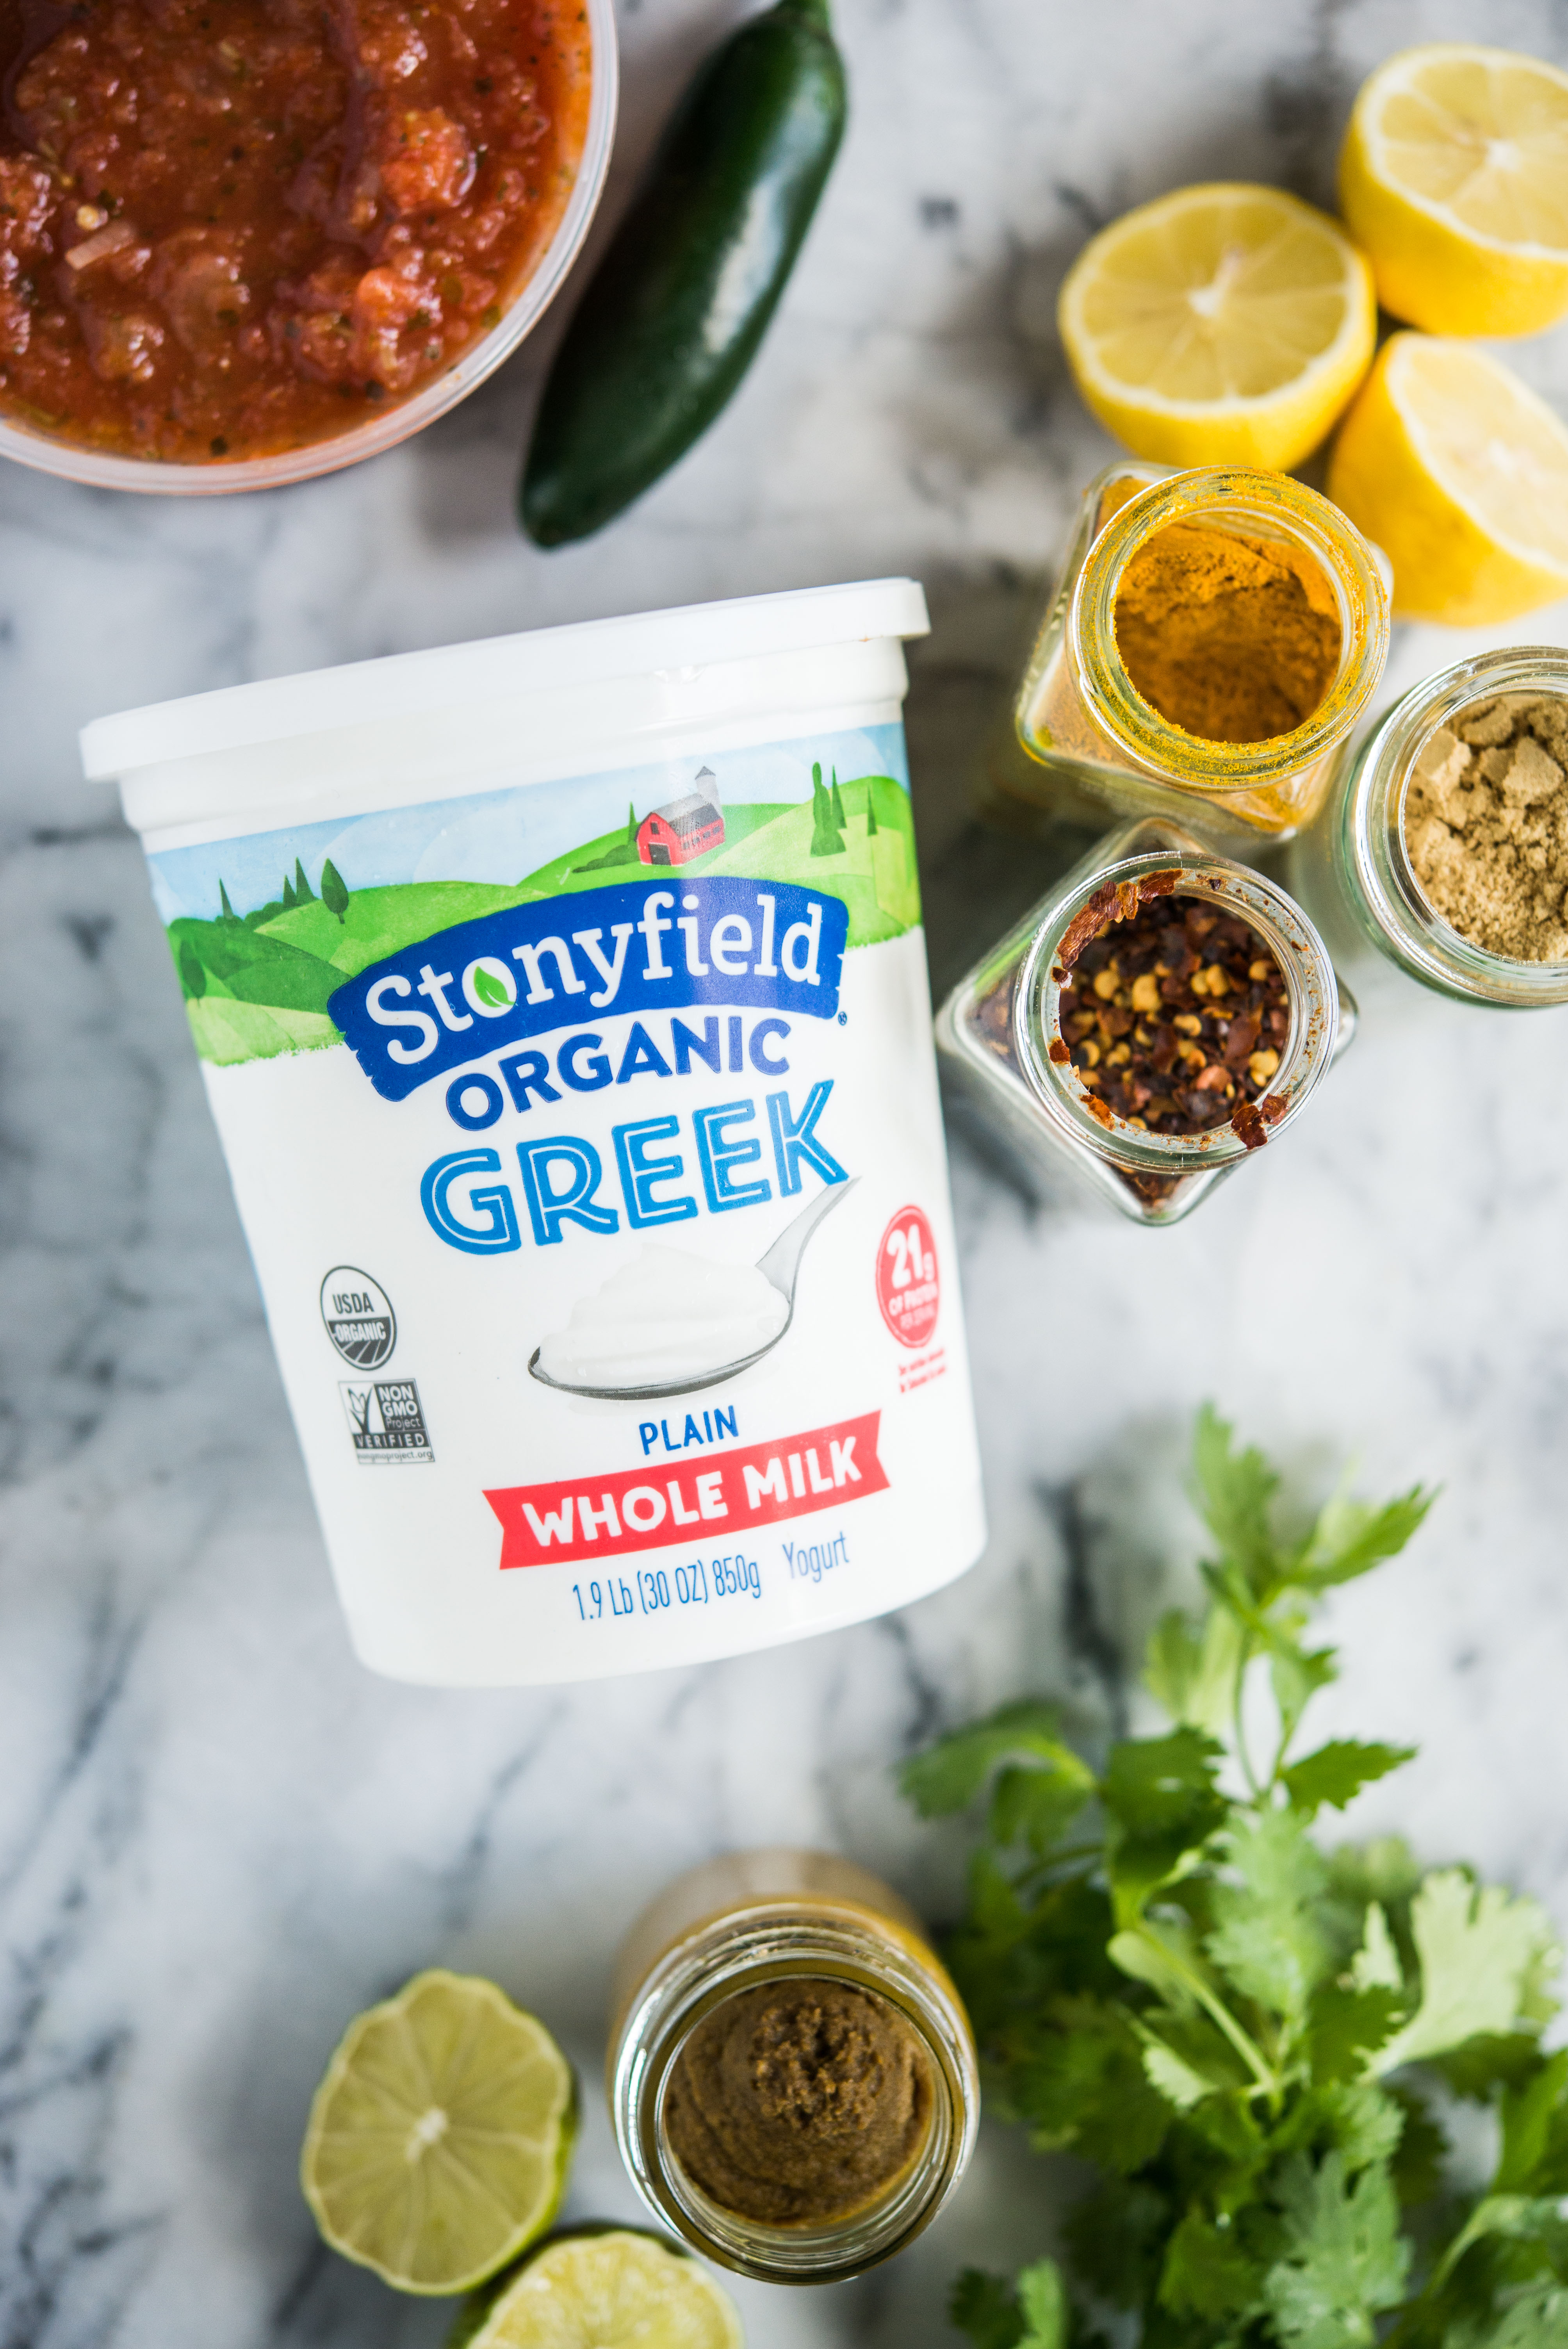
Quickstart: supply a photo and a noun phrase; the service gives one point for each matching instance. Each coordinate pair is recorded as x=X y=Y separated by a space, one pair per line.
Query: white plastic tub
x=561 y=1002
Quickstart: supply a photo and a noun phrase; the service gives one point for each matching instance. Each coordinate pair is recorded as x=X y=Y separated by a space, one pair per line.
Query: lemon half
x=1460 y=474
x=1224 y=325
x=1454 y=179
x=612 y=2290
x=440 y=2135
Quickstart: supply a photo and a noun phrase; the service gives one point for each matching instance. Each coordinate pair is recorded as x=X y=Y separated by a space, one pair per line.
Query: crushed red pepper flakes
x=1175 y=1024
x=1113 y=901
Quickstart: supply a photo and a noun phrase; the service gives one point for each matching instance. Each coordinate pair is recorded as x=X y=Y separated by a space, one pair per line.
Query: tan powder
x=799 y=2103
x=1486 y=825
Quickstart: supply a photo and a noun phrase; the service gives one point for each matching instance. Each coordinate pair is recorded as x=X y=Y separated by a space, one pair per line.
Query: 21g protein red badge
x=909 y=1288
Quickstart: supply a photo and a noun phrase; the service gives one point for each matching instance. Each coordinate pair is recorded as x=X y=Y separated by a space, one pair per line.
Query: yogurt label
x=586 y=1138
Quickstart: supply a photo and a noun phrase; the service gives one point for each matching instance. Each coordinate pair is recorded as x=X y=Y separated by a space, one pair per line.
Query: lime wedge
x=611 y=2290
x=441 y=2136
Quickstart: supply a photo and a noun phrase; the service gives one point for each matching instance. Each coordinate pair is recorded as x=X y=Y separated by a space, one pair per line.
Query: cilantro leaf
x=1207 y=2273
x=1079 y=2081
x=1188 y=2061
x=1235 y=1491
x=1297 y=1674
x=1350 y=1538
x=1491 y=2060
x=1338 y=1771
x=1043 y=2302
x=1534 y=2157
x=1384 y=1869
x=1033 y=1806
x=992 y=2315
x=1344 y=2260
x=1117 y=2237
x=1162 y=1802
x=1191 y=1672
x=1418 y=2165
x=1537 y=2320
x=1267 y=1937
x=1363 y=2120
x=953 y=1771
x=1375 y=1965
x=984 y=2310
x=1346 y=2024
x=1484 y=1959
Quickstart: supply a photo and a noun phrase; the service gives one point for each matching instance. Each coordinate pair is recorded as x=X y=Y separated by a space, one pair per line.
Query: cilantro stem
x=1238 y=1691
x=1217 y=2011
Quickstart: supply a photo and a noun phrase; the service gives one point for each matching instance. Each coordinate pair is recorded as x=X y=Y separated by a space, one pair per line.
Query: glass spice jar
x=796 y=1932
x=1353 y=869
x=1086 y=728
x=1000 y=1032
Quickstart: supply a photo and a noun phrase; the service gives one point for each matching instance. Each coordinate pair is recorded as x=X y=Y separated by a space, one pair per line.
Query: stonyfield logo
x=454 y=997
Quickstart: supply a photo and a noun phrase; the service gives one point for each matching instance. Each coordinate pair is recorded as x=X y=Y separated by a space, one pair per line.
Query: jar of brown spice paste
x=1213 y=637
x=1442 y=852
x=1161 y=1017
x=791 y=2075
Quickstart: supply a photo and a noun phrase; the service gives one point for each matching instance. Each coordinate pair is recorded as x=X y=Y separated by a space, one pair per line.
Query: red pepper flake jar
x=1002 y=1034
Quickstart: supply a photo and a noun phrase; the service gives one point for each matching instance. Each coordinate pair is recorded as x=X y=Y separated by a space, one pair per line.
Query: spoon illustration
x=781 y=1267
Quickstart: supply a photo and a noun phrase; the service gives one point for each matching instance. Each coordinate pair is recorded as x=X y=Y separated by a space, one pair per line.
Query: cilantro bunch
x=1253 y=2041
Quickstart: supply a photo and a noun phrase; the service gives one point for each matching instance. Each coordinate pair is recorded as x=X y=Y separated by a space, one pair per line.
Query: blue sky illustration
x=502 y=835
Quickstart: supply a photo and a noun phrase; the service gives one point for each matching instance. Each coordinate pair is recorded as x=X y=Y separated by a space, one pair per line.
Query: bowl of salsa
x=246 y=242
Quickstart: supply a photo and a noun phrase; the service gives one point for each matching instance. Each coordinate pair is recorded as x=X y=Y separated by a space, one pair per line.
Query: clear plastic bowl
x=99 y=470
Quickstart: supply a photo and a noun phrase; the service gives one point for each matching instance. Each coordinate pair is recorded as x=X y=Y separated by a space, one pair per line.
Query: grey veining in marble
x=218 y=1836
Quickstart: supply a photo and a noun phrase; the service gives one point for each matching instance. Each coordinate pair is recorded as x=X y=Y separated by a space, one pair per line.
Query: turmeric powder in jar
x=1211 y=642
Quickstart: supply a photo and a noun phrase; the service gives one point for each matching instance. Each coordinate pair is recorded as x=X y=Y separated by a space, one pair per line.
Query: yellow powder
x=1233 y=640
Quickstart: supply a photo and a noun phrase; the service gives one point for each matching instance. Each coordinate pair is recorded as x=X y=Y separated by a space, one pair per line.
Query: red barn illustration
x=687 y=827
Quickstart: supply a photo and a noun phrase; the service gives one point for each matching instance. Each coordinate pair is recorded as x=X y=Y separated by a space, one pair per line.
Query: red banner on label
x=654 y=1507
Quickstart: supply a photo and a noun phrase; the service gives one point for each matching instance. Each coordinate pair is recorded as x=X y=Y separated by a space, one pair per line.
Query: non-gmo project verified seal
x=387 y=1423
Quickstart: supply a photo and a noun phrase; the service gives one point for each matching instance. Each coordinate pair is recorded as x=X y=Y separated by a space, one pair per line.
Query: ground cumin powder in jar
x=1486 y=824
x=792 y=2078
x=798 y=2103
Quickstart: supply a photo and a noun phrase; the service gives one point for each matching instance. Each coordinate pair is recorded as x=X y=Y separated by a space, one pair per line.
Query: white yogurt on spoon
x=662 y=1318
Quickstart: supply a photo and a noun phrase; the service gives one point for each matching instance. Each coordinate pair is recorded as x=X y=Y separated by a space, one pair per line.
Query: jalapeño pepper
x=674 y=313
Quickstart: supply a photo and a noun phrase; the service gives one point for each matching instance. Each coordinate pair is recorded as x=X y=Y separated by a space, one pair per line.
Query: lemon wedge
x=440 y=2135
x=613 y=2289
x=1453 y=179
x=1460 y=474
x=1224 y=325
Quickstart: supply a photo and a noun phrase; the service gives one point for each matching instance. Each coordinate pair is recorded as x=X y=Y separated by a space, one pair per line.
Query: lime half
x=618 y=2289
x=441 y=2136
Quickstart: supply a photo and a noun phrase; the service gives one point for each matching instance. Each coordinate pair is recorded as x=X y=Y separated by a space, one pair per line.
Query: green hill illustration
x=258 y=984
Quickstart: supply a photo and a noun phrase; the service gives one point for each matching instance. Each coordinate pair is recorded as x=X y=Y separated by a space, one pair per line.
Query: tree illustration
x=192 y=978
x=870 y=812
x=839 y=818
x=826 y=839
x=333 y=896
x=228 y=914
x=289 y=897
x=631 y=820
x=303 y=893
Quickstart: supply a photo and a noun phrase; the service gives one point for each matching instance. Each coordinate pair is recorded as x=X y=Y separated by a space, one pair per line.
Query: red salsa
x=233 y=227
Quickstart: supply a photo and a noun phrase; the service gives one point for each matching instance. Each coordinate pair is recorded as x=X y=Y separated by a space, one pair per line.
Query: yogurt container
x=561 y=1004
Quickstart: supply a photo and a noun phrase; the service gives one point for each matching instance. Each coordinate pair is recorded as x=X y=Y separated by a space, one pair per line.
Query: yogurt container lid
x=679 y=642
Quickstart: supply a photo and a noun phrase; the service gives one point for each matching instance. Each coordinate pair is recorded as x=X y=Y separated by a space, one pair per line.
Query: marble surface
x=218 y=1836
